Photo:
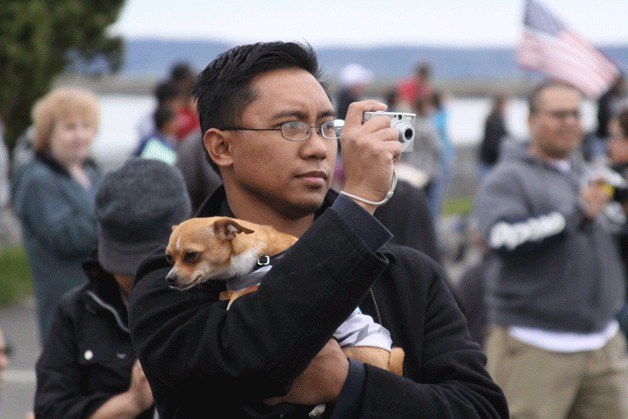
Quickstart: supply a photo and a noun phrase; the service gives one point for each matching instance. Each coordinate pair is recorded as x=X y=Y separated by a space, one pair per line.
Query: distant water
x=120 y=116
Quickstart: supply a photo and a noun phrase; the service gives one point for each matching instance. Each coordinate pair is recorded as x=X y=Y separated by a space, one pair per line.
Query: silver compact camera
x=402 y=121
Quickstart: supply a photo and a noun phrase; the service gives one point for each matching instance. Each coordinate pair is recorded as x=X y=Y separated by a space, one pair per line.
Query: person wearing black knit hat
x=88 y=366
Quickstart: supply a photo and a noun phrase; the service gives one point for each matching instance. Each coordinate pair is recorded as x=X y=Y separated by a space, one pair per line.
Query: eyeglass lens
x=299 y=130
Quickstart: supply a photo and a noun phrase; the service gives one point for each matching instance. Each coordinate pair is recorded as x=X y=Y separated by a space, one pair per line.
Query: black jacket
x=87 y=357
x=494 y=132
x=204 y=361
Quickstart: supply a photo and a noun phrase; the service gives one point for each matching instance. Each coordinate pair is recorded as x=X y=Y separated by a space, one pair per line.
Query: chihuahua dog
x=229 y=249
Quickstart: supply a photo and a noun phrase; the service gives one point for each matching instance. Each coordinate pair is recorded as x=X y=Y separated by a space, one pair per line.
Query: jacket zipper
x=110 y=309
x=377 y=313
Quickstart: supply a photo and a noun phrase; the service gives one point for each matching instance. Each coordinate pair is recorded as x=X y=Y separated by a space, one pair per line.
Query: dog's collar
x=266 y=260
x=263 y=265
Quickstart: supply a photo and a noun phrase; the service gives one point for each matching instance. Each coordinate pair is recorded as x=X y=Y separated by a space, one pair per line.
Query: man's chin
x=302 y=208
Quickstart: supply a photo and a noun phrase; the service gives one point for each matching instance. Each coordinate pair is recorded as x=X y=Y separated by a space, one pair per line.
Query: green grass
x=15 y=276
x=458 y=205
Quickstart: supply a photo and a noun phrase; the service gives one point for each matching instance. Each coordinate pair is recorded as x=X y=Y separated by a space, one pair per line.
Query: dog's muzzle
x=171 y=278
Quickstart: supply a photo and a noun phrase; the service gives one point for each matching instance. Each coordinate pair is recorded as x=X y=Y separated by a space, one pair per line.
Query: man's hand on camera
x=369 y=151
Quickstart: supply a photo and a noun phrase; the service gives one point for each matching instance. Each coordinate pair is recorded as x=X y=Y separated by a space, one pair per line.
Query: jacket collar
x=103 y=293
x=55 y=166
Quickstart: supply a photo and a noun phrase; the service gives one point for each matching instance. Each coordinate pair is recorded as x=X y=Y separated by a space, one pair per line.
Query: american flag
x=548 y=46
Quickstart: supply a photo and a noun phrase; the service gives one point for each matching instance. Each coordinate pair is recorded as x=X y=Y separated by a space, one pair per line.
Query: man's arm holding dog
x=280 y=325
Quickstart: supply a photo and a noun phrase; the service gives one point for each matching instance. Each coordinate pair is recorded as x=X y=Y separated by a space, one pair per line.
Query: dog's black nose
x=171 y=278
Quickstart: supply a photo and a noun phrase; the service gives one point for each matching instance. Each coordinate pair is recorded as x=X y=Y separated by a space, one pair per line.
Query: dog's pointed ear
x=240 y=228
x=227 y=229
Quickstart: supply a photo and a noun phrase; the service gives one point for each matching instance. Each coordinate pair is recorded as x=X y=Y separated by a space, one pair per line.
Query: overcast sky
x=365 y=22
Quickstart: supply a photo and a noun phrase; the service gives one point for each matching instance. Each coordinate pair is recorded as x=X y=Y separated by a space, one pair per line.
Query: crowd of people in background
x=547 y=293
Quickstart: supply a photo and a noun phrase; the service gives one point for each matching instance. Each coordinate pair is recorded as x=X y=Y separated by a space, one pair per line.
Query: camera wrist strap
x=390 y=193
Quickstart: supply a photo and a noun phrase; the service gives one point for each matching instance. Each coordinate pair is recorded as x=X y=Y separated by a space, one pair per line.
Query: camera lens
x=408 y=134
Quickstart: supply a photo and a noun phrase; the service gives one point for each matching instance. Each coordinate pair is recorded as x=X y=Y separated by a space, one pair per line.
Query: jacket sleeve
x=187 y=341
x=450 y=381
x=508 y=224
x=66 y=229
x=59 y=374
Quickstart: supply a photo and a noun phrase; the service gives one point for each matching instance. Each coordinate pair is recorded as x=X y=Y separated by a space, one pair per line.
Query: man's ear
x=217 y=144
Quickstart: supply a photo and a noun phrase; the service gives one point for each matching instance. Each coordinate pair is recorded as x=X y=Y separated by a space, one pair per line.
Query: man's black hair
x=223 y=89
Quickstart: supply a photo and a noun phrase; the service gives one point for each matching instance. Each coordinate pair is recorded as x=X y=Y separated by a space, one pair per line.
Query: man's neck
x=295 y=227
x=260 y=213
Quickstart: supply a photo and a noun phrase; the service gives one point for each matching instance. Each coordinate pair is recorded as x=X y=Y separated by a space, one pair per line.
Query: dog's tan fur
x=201 y=249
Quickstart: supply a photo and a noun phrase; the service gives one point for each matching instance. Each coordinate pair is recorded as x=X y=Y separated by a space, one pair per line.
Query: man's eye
x=293 y=124
x=190 y=257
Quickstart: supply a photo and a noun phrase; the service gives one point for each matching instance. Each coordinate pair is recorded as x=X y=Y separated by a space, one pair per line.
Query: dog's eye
x=190 y=257
x=169 y=259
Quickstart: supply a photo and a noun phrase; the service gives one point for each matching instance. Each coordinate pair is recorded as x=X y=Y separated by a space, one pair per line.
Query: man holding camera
x=553 y=345
x=269 y=128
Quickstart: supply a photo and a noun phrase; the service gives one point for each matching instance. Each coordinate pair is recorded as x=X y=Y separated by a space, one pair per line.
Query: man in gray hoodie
x=553 y=346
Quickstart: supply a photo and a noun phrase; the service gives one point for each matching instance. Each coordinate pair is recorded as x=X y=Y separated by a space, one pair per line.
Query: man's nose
x=316 y=144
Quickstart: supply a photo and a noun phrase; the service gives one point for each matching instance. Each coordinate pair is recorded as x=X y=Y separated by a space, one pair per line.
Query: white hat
x=353 y=74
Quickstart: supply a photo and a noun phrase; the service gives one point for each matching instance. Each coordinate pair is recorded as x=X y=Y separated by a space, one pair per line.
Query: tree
x=39 y=39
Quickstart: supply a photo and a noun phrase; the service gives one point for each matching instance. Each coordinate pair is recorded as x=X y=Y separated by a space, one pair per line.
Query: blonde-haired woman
x=53 y=196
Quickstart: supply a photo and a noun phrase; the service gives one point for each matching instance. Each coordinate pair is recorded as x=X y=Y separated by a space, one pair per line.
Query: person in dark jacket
x=88 y=366
x=494 y=132
x=269 y=127
x=606 y=106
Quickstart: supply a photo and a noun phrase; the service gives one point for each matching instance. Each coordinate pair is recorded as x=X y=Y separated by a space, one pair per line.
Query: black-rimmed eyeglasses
x=301 y=131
